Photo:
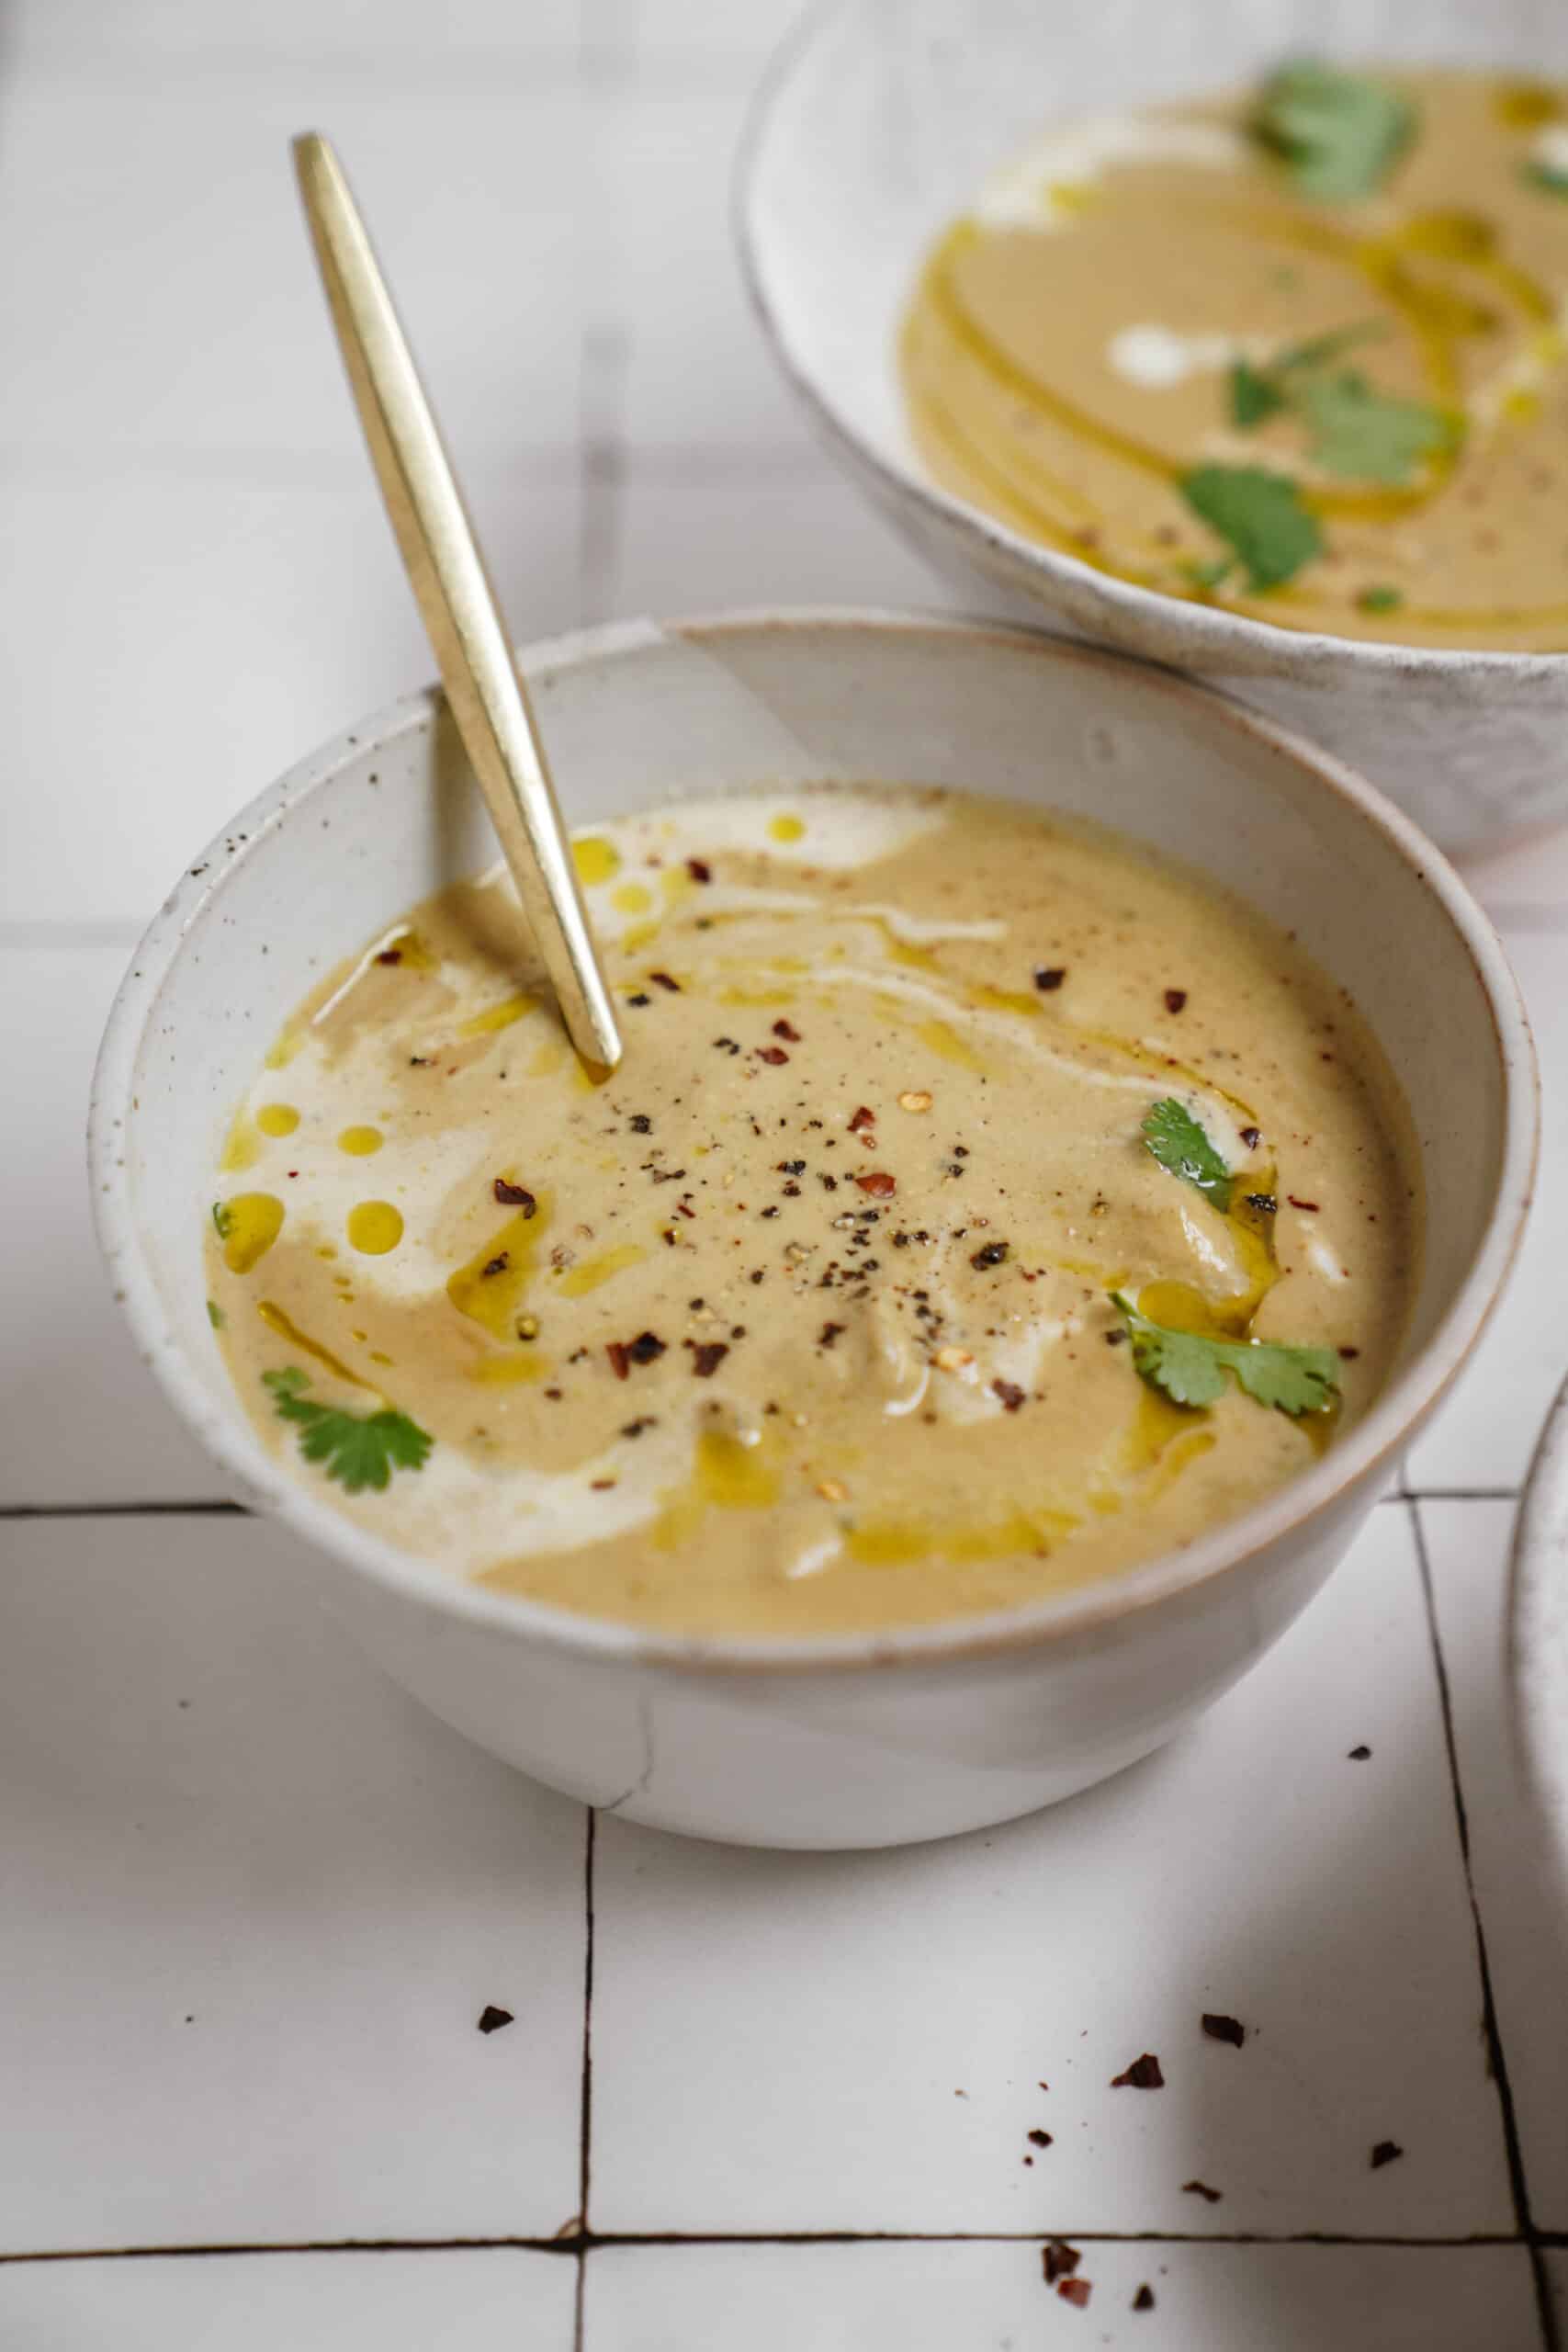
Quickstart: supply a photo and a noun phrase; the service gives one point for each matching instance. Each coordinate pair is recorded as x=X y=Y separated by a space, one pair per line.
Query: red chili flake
x=1059 y=2260
x=618 y=1360
x=636 y=1428
x=1143 y=2075
x=667 y=1235
x=390 y=955
x=645 y=1348
x=1050 y=975
x=1175 y=999
x=1311 y=1207
x=699 y=869
x=601 y=1486
x=787 y=1031
x=863 y=1117
x=1038 y=2139
x=1144 y=2300
x=1252 y=1137
x=492 y=2020
x=640 y=998
x=1202 y=2188
x=1012 y=1396
x=829 y=1333
x=1385 y=2153
x=497 y=1265
x=772 y=1055
x=1359 y=1755
x=1223 y=2029
x=1076 y=2291
x=514 y=1196
x=879 y=1184
x=663 y=980
x=683 y=1207
x=706 y=1359
x=1347 y=1355
x=419 y=1061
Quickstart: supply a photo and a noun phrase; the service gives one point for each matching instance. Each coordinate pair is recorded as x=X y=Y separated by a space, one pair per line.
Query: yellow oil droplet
x=274 y=1316
x=360 y=1142
x=493 y=1298
x=726 y=1475
x=893 y=1542
x=596 y=859
x=252 y=1223
x=592 y=1272
x=498 y=1016
x=377 y=1357
x=786 y=829
x=1181 y=1309
x=326 y=1250
x=631 y=899
x=243 y=1148
x=758 y=996
x=939 y=1038
x=675 y=884
x=1525 y=105
x=511 y=1371
x=546 y=1061
x=639 y=937
x=280 y=1054
x=277 y=1118
x=1008 y=1000
x=374 y=1227
x=409 y=950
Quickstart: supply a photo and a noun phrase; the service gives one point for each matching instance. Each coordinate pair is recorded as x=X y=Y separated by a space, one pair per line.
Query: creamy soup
x=981 y=1206
x=1299 y=352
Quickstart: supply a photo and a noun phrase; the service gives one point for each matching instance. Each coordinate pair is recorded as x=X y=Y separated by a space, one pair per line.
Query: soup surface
x=1300 y=352
x=980 y=1206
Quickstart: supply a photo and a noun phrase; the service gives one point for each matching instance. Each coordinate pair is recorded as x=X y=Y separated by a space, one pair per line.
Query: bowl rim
x=1207 y=633
x=1085 y=1610
x=1537 y=1558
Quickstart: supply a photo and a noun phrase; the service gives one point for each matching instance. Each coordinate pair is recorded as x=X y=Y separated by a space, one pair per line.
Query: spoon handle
x=486 y=694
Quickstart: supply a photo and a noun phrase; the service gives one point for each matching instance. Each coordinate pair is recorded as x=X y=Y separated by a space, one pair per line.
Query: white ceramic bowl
x=1538 y=1642
x=853 y=1740
x=876 y=124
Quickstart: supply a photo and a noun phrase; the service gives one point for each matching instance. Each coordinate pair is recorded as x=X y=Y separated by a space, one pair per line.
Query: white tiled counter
x=253 y=1903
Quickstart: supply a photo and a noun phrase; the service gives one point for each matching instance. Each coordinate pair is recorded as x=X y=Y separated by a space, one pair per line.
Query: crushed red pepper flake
x=1175 y=999
x=1143 y=2075
x=1076 y=2291
x=1252 y=1137
x=514 y=1196
x=663 y=980
x=699 y=869
x=497 y=1265
x=863 y=1117
x=1223 y=2028
x=618 y=1359
x=1144 y=2300
x=1359 y=1755
x=706 y=1356
x=829 y=1333
x=1059 y=2260
x=1038 y=2139
x=1311 y=1207
x=1347 y=1355
x=772 y=1055
x=1049 y=975
x=1202 y=2188
x=1012 y=1397
x=646 y=1348
x=787 y=1031
x=878 y=1183
x=390 y=955
x=1385 y=2153
x=492 y=2020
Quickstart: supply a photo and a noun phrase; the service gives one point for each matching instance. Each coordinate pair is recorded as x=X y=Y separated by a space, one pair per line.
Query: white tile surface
x=502 y=2300
x=254 y=1902
x=1524 y=886
x=232 y=627
x=83 y=39
x=1467 y=1545
x=195 y=322
x=1486 y=1433
x=1207 y=2298
x=785 y=2042
x=81 y=1420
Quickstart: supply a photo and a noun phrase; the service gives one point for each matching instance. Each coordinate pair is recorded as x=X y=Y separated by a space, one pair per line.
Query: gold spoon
x=453 y=589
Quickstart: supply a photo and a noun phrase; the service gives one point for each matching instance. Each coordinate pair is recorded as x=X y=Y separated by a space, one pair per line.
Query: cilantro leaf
x=1191 y=1370
x=1180 y=1144
x=215 y=1314
x=1360 y=431
x=1259 y=514
x=358 y=1450
x=222 y=1219
x=1255 y=394
x=1339 y=134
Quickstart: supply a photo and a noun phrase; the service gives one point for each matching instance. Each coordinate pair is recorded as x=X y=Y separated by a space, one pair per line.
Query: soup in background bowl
x=1081 y=328
x=850 y=1732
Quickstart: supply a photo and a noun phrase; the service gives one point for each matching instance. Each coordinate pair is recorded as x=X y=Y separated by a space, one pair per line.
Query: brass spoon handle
x=486 y=696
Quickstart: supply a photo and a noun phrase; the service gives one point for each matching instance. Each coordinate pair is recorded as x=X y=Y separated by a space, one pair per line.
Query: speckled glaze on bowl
x=874 y=125
x=850 y=1740
x=1537 y=1642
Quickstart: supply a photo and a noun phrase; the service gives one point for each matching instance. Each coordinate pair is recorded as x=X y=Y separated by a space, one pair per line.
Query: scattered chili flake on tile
x=1076 y=2291
x=1175 y=999
x=1359 y=1755
x=1223 y=2028
x=1143 y=2075
x=878 y=1183
x=1050 y=975
x=1038 y=2139
x=699 y=869
x=1202 y=2188
x=1144 y=2300
x=863 y=1117
x=1059 y=2260
x=772 y=1054
x=786 y=1030
x=1012 y=1399
x=706 y=1356
x=492 y=2020
x=1385 y=2153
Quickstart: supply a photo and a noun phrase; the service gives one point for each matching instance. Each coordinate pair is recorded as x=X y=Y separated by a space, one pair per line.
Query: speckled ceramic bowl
x=875 y=125
x=1538 y=1642
x=849 y=1740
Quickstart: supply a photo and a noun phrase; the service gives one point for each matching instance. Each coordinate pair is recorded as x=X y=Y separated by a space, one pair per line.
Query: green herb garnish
x=1380 y=600
x=1258 y=514
x=356 y=1449
x=222 y=1219
x=1191 y=1370
x=1180 y=1144
x=215 y=1314
x=1339 y=134
x=1257 y=394
x=1358 y=430
x=1547 y=177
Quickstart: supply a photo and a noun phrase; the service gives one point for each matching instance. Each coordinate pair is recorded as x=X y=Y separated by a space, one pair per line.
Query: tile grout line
x=1497 y=2058
x=585 y=2111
